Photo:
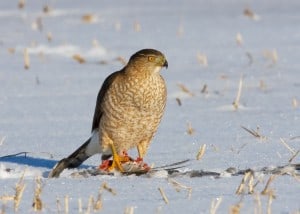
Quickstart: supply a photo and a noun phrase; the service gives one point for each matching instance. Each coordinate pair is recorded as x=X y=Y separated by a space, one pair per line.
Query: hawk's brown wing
x=104 y=88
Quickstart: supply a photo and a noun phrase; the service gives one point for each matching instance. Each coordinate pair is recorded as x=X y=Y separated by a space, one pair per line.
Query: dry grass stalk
x=90 y=204
x=179 y=186
x=271 y=196
x=2 y=140
x=78 y=58
x=37 y=202
x=21 y=4
x=137 y=26
x=98 y=204
x=109 y=189
x=242 y=187
x=26 y=59
x=178 y=101
x=258 y=206
x=20 y=187
x=66 y=204
x=236 y=102
x=129 y=210
x=6 y=198
x=296 y=176
x=49 y=36
x=294 y=155
x=295 y=103
x=267 y=190
x=215 y=203
x=292 y=151
x=250 y=184
x=185 y=89
x=271 y=55
x=255 y=133
x=166 y=200
x=236 y=208
x=204 y=89
x=201 y=152
x=239 y=39
x=79 y=205
x=249 y=13
x=190 y=129
x=89 y=18
x=58 y=205
x=202 y=59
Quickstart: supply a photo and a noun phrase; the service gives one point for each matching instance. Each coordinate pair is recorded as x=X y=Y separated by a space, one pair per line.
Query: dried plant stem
x=287 y=146
x=58 y=205
x=190 y=129
x=179 y=186
x=215 y=203
x=266 y=190
x=2 y=140
x=20 y=187
x=79 y=205
x=163 y=195
x=201 y=152
x=294 y=155
x=109 y=189
x=239 y=93
x=248 y=177
x=185 y=89
x=26 y=59
x=37 y=202
x=255 y=133
x=129 y=210
x=258 y=207
x=66 y=204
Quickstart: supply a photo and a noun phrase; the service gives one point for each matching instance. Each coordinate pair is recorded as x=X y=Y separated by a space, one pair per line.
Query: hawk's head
x=148 y=59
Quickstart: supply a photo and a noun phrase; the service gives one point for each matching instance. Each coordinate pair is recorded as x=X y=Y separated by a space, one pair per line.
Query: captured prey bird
x=129 y=108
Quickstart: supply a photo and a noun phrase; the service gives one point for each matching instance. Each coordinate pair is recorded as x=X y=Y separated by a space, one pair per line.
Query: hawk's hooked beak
x=165 y=64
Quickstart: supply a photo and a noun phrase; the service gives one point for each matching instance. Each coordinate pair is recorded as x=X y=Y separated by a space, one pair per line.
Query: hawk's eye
x=151 y=58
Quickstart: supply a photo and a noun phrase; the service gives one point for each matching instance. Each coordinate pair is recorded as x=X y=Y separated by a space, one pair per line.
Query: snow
x=47 y=110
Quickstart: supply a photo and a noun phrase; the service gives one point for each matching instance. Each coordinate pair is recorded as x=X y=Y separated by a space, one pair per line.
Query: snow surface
x=47 y=110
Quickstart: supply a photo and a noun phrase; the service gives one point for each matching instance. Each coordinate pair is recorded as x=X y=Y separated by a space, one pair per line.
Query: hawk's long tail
x=86 y=150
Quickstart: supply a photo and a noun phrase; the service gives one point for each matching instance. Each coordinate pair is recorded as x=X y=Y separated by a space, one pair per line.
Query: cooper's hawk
x=129 y=108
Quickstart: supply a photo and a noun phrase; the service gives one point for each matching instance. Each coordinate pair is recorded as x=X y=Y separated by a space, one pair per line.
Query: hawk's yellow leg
x=117 y=159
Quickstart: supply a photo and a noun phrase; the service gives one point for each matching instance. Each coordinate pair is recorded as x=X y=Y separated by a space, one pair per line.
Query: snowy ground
x=47 y=110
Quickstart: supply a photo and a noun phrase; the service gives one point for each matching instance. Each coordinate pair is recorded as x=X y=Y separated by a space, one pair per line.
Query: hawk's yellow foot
x=116 y=162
